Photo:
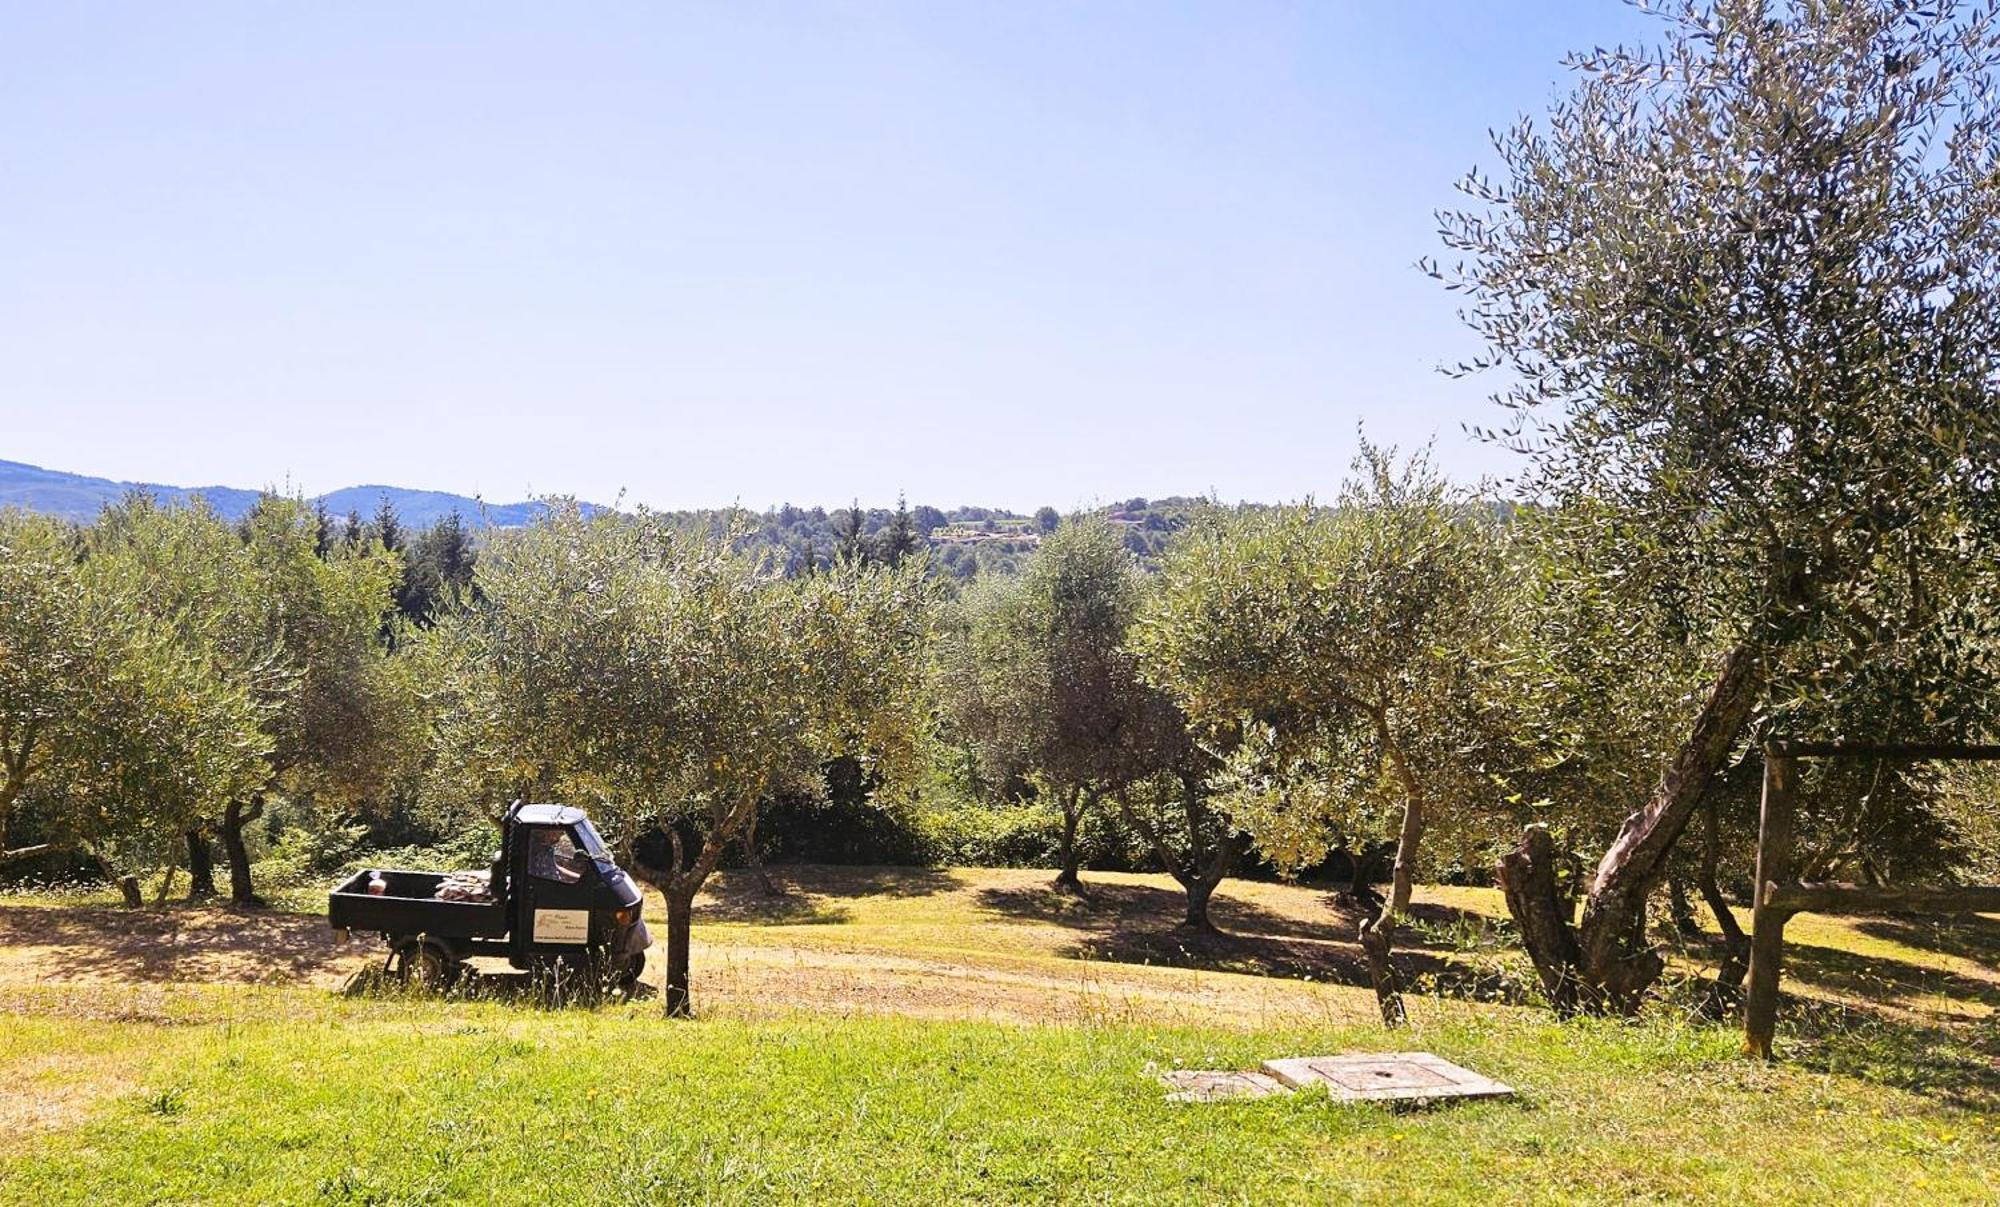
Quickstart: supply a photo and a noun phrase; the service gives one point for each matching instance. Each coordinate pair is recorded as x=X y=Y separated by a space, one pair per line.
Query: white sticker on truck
x=562 y=926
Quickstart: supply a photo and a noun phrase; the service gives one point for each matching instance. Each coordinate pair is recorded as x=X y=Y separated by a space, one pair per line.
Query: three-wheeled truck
x=553 y=904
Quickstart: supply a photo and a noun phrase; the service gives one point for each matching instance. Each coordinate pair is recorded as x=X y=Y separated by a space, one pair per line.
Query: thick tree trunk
x=1198 y=893
x=201 y=866
x=680 y=927
x=234 y=817
x=1615 y=961
x=1542 y=915
x=1201 y=887
x=1198 y=878
x=1068 y=879
x=128 y=888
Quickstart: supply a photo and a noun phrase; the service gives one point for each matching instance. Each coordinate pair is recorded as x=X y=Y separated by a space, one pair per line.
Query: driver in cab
x=553 y=857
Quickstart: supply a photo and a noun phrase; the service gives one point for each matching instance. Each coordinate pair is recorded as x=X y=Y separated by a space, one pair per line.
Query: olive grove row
x=1743 y=288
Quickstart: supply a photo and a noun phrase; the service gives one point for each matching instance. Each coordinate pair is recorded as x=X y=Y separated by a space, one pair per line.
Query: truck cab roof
x=548 y=815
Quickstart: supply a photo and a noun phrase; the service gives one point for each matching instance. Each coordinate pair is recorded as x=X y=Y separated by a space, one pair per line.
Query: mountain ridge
x=81 y=497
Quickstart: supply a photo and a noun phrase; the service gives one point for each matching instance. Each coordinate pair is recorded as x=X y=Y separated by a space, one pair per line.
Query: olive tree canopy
x=673 y=680
x=1743 y=285
x=1344 y=648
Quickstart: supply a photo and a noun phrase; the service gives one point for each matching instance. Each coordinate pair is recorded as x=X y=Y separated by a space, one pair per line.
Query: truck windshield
x=592 y=844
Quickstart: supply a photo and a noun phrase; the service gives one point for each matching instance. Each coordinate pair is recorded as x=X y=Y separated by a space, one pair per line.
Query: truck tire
x=626 y=982
x=425 y=965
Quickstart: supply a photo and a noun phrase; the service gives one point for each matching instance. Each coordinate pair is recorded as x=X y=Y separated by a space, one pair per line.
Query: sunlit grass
x=417 y=1101
x=848 y=1049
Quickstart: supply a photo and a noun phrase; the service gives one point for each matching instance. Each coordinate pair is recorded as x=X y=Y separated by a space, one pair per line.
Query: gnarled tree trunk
x=1068 y=879
x=235 y=816
x=1361 y=864
x=1197 y=876
x=754 y=860
x=1541 y=912
x=201 y=866
x=1605 y=962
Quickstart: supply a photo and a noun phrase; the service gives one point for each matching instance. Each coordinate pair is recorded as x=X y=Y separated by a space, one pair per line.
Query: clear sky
x=1008 y=254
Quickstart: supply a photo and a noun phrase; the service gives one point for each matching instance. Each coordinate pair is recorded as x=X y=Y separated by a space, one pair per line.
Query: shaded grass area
x=968 y=942
x=436 y=1102
x=1457 y=944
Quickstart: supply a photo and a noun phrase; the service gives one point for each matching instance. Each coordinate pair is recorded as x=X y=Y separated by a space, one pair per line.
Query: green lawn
x=425 y=1102
x=885 y=1078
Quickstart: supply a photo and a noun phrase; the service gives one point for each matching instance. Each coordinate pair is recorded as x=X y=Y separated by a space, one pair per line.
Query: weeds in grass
x=167 y=1103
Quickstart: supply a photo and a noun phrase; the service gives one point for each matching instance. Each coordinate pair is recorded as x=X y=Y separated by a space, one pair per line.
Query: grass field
x=925 y=1035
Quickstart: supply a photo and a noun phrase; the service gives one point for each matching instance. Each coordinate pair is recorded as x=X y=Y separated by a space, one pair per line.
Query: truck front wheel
x=626 y=982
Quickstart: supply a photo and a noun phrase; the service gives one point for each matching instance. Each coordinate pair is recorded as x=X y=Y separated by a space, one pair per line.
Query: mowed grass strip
x=444 y=1102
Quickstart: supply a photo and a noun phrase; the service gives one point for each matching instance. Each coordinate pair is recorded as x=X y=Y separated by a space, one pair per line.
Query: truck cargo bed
x=411 y=907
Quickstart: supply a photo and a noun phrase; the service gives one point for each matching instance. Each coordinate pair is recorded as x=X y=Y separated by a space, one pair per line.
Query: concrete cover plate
x=1386 y=1076
x=1213 y=1085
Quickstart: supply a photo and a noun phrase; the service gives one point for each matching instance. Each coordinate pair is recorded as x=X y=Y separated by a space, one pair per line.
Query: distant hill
x=963 y=542
x=79 y=497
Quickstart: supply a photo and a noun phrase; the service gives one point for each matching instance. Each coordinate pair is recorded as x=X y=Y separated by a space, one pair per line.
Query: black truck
x=553 y=903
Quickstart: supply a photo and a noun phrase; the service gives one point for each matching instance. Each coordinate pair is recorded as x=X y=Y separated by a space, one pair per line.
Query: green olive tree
x=1041 y=682
x=51 y=655
x=676 y=681
x=1345 y=648
x=115 y=726
x=259 y=609
x=1743 y=284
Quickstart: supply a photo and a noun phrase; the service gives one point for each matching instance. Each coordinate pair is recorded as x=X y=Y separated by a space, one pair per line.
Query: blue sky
x=1010 y=254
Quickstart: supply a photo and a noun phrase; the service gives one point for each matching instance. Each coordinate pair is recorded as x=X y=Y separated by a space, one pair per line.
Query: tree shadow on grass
x=1138 y=924
x=868 y=881
x=811 y=892
x=1870 y=1024
x=176 y=943
x=1880 y=978
x=1956 y=1065
x=752 y=907
x=1968 y=936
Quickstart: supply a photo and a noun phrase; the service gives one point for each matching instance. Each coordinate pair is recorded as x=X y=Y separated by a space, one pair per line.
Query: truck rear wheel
x=425 y=966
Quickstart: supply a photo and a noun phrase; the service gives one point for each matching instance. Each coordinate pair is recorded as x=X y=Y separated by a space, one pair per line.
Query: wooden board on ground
x=1386 y=1077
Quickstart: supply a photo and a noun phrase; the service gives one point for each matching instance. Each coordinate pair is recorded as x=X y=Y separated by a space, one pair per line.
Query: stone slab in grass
x=1386 y=1077
x=1212 y=1085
